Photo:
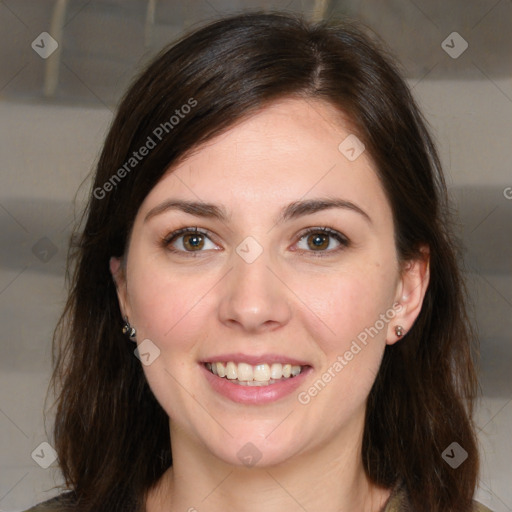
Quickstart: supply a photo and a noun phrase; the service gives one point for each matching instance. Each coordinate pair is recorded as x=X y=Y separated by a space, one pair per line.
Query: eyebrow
x=292 y=211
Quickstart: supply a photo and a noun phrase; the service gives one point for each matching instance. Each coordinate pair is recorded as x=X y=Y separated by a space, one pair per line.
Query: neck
x=314 y=481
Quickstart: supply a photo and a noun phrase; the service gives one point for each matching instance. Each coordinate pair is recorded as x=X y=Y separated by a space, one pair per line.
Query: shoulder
x=61 y=503
x=478 y=507
x=398 y=502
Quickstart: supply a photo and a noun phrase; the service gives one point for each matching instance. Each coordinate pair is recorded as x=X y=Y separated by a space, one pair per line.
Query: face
x=268 y=278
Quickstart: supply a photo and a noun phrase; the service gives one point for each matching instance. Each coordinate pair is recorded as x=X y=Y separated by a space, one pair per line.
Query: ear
x=118 y=274
x=411 y=289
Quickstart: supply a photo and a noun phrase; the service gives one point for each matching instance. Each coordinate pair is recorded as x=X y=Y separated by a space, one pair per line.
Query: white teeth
x=295 y=370
x=254 y=383
x=261 y=372
x=221 y=369
x=276 y=371
x=258 y=375
x=245 y=372
x=231 y=370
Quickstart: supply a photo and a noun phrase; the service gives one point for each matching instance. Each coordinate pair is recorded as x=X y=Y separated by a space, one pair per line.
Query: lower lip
x=255 y=394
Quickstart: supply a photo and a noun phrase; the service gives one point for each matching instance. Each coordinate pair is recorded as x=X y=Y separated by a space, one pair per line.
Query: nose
x=254 y=298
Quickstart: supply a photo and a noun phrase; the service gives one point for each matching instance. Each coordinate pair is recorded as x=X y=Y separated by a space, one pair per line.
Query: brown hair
x=111 y=435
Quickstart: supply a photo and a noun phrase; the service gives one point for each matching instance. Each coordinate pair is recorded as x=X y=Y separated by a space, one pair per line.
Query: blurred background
x=64 y=65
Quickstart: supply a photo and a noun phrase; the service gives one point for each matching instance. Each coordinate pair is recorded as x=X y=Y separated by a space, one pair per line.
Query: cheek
x=355 y=313
x=167 y=310
x=347 y=305
x=165 y=307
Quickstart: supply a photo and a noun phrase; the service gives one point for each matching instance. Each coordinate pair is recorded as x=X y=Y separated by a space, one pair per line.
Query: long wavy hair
x=110 y=433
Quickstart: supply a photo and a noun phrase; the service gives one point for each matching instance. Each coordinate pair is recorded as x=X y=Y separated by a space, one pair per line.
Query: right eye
x=187 y=240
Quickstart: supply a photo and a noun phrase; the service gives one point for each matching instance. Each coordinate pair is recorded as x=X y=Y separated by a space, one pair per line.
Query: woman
x=269 y=224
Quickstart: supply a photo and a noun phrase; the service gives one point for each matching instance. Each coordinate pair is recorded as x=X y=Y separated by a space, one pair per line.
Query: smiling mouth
x=262 y=374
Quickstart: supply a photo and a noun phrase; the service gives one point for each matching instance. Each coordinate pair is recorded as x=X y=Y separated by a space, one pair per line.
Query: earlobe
x=411 y=292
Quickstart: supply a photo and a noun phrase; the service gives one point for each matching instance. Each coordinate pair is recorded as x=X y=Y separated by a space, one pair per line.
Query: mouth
x=261 y=374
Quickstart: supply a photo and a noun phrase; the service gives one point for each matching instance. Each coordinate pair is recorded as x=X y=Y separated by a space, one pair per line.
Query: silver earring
x=399 y=331
x=128 y=330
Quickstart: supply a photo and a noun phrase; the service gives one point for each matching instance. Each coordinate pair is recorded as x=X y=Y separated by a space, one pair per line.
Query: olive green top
x=397 y=502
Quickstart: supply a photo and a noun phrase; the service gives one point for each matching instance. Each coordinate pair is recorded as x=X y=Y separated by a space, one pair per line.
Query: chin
x=253 y=452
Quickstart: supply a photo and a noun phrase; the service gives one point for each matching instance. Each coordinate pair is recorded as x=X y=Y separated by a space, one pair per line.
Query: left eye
x=319 y=240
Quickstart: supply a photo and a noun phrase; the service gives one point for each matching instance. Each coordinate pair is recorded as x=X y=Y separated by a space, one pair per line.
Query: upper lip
x=255 y=359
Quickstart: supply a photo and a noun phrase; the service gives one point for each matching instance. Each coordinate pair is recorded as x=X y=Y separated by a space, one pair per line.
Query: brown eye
x=193 y=241
x=320 y=240
x=188 y=240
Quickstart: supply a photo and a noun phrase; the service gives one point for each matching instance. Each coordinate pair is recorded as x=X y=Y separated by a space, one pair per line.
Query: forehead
x=286 y=151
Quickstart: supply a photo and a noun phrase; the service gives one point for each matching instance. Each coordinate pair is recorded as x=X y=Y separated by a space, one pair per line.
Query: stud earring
x=399 y=331
x=128 y=330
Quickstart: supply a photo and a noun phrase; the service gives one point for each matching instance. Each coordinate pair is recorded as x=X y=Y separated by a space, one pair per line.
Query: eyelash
x=344 y=242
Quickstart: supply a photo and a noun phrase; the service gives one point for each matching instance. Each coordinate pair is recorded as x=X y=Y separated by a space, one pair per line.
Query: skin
x=288 y=301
